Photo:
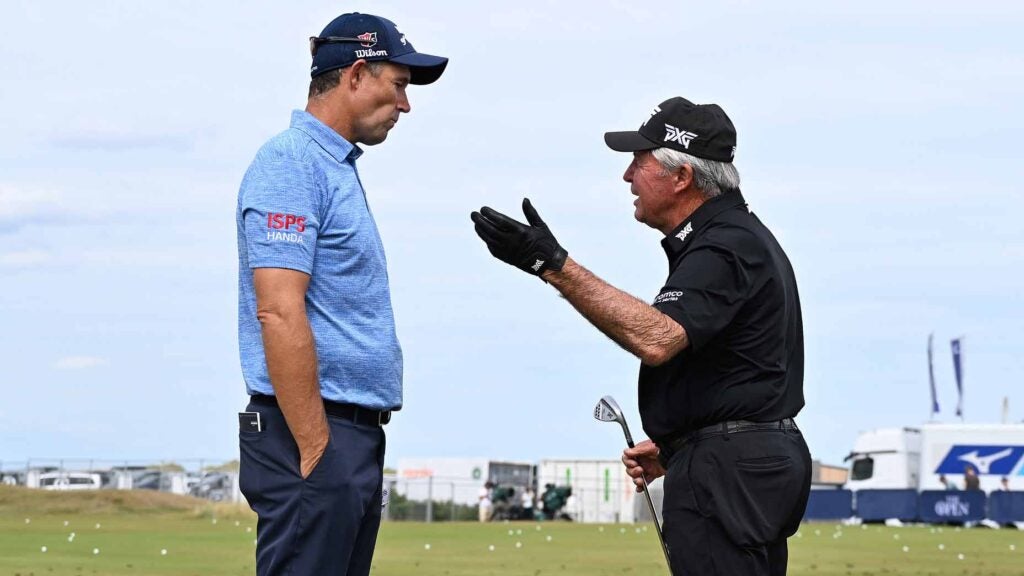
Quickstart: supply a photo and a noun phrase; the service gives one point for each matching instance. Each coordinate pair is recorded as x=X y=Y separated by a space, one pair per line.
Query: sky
x=879 y=140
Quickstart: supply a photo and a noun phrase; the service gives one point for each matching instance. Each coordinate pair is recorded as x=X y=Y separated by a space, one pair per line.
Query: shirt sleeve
x=280 y=206
x=705 y=292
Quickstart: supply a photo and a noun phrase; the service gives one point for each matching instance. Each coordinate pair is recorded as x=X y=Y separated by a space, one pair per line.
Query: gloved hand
x=531 y=248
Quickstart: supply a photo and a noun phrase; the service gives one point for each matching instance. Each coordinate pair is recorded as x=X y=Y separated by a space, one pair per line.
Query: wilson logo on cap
x=681 y=136
x=369 y=39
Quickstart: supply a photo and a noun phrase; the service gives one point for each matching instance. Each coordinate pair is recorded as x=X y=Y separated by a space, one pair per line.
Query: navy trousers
x=731 y=500
x=325 y=524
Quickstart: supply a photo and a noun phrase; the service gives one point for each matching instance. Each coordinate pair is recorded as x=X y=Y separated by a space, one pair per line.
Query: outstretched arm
x=638 y=327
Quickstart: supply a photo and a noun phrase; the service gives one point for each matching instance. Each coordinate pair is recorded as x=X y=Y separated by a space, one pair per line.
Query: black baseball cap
x=701 y=130
x=355 y=36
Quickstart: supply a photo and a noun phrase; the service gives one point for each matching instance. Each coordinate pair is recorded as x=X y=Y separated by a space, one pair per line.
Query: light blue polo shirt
x=302 y=206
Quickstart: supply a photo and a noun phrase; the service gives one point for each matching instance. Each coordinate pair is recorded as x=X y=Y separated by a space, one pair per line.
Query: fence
x=210 y=479
x=933 y=506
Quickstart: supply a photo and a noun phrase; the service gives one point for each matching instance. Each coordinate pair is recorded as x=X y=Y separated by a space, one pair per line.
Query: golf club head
x=607 y=410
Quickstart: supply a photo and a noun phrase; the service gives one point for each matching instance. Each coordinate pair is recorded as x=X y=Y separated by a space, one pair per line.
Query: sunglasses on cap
x=315 y=41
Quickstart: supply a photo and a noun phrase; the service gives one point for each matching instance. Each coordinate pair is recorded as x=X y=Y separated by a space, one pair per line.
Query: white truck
x=916 y=457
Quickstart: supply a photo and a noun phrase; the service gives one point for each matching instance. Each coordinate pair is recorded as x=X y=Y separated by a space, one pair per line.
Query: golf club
x=607 y=410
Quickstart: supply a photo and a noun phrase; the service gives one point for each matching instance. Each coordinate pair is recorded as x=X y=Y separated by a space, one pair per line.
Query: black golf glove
x=531 y=248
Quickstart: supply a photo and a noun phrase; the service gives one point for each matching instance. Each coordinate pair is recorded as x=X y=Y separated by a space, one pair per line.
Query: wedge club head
x=607 y=410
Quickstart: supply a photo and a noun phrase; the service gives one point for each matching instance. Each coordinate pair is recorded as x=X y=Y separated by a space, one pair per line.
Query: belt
x=351 y=412
x=674 y=444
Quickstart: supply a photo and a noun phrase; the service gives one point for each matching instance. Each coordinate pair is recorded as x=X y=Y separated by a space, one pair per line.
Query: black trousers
x=731 y=500
x=325 y=524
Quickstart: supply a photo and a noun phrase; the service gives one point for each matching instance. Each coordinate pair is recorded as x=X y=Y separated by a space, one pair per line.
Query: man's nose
x=403 y=104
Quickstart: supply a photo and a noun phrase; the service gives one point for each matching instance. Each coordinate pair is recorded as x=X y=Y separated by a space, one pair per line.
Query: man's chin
x=373 y=141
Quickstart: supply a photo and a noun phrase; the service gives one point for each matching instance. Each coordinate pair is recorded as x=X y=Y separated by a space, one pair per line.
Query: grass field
x=131 y=529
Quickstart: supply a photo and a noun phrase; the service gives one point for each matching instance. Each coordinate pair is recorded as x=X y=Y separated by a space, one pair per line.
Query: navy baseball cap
x=701 y=130
x=355 y=36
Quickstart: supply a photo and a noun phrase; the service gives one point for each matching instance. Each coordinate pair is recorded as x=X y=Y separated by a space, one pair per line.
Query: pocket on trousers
x=769 y=463
x=317 y=470
x=751 y=495
x=248 y=464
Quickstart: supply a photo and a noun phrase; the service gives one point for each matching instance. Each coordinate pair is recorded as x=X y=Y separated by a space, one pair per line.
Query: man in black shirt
x=721 y=346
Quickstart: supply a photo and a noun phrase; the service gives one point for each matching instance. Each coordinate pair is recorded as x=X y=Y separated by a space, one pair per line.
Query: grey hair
x=711 y=177
x=329 y=80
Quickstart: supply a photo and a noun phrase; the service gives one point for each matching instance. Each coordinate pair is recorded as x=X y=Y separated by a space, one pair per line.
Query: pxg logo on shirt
x=280 y=227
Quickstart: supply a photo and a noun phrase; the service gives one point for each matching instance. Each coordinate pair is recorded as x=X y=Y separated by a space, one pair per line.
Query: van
x=70 y=481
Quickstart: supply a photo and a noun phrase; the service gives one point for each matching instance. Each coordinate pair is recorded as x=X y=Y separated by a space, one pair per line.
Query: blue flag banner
x=986 y=460
x=959 y=370
x=931 y=377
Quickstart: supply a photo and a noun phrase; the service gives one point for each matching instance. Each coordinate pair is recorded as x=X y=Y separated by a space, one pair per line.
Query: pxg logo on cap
x=702 y=130
x=356 y=36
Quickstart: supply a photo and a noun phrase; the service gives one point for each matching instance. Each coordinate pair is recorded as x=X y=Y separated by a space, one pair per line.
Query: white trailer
x=457 y=479
x=601 y=490
x=916 y=457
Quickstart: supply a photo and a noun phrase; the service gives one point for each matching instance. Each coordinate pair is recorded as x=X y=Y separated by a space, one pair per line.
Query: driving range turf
x=130 y=529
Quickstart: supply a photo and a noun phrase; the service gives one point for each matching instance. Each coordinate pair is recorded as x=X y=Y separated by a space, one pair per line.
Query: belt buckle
x=383 y=417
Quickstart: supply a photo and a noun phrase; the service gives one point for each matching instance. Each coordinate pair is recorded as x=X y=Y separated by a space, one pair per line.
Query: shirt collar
x=332 y=142
x=682 y=235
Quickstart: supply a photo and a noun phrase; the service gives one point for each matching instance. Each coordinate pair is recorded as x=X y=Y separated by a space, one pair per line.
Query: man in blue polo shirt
x=320 y=356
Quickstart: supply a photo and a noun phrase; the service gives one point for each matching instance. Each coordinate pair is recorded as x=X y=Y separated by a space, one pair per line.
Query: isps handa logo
x=285 y=227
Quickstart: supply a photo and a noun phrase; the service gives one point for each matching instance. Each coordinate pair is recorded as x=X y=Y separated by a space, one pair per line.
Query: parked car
x=214 y=486
x=70 y=481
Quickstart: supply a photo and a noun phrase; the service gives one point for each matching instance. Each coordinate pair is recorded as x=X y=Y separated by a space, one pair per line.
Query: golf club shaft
x=650 y=503
x=657 y=524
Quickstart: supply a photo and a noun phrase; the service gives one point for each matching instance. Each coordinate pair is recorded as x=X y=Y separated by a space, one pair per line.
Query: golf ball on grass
x=519 y=544
x=43 y=549
x=491 y=547
x=95 y=551
x=163 y=551
x=906 y=548
x=549 y=538
x=942 y=546
x=959 y=556
x=426 y=546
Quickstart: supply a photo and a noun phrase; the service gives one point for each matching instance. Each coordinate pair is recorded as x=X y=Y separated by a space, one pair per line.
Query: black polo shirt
x=732 y=288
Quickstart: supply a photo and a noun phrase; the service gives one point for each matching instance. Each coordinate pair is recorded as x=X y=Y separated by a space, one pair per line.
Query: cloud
x=80 y=362
x=124 y=141
x=24 y=259
x=25 y=202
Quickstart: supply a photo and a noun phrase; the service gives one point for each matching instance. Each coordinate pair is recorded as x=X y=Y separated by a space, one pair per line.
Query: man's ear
x=355 y=73
x=684 y=178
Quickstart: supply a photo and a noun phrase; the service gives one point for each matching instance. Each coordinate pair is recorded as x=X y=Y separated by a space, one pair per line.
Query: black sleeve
x=705 y=291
